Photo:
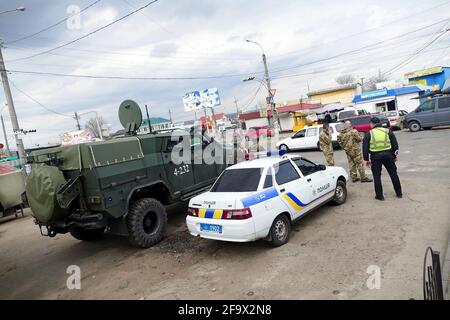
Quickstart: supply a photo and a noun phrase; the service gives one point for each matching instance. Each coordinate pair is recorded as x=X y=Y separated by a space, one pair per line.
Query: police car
x=259 y=199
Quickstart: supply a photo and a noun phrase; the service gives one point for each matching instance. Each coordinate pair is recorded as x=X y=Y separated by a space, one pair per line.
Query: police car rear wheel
x=340 y=193
x=146 y=222
x=280 y=231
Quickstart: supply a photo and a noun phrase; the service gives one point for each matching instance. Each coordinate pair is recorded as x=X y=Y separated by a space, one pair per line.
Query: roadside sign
x=263 y=112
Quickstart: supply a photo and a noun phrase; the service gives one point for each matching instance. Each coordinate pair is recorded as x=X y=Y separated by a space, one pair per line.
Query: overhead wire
x=37 y=102
x=53 y=25
x=88 y=34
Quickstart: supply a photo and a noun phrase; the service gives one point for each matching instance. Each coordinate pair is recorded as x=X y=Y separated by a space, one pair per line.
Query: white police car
x=259 y=199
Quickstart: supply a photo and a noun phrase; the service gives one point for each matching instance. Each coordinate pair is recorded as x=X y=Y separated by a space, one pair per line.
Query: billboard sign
x=197 y=100
x=76 y=137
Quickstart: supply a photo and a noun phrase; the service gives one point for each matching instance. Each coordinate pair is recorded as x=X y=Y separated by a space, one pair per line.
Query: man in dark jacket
x=382 y=146
x=328 y=118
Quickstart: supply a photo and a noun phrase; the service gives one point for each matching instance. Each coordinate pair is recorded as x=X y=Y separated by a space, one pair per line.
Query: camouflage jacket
x=326 y=144
x=349 y=139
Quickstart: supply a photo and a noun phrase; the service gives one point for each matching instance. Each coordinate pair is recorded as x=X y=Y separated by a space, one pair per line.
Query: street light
x=21 y=8
x=273 y=119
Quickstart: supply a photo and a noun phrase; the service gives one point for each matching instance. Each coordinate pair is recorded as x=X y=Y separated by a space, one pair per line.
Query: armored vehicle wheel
x=146 y=222
x=86 y=234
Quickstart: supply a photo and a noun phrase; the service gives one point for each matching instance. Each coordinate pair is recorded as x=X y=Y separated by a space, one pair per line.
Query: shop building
x=406 y=98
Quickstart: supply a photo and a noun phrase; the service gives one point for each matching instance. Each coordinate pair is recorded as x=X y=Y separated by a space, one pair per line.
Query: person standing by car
x=349 y=139
x=382 y=146
x=328 y=118
x=326 y=144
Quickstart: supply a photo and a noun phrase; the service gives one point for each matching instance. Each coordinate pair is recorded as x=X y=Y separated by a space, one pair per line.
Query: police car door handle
x=309 y=180
x=283 y=190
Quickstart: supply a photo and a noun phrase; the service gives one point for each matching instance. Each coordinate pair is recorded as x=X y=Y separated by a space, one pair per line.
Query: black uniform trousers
x=386 y=159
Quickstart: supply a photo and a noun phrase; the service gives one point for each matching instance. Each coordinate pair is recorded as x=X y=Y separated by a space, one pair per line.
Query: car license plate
x=210 y=228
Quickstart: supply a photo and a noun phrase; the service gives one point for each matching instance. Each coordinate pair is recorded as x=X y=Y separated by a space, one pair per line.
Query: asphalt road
x=328 y=255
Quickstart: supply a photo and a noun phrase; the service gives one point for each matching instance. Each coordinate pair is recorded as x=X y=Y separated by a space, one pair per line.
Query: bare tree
x=91 y=124
x=345 y=79
x=371 y=83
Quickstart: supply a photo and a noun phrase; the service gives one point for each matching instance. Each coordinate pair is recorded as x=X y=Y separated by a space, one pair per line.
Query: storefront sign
x=373 y=94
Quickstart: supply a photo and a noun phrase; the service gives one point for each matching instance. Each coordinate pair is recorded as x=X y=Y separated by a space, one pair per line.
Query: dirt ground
x=327 y=256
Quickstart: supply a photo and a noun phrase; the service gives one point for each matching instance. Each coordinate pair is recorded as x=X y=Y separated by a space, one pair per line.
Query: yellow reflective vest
x=379 y=140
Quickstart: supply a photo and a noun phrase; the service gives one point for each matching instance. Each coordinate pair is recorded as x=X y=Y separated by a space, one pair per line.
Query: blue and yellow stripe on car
x=210 y=213
x=296 y=203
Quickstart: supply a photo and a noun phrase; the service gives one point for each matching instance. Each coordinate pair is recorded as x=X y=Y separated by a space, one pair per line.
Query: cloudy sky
x=308 y=43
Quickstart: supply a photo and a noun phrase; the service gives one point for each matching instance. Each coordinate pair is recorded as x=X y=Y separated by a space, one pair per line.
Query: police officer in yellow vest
x=382 y=146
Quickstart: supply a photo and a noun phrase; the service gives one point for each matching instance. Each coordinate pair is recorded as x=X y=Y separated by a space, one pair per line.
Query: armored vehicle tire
x=86 y=234
x=146 y=222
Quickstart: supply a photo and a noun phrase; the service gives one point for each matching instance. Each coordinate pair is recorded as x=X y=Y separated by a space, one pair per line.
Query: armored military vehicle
x=121 y=185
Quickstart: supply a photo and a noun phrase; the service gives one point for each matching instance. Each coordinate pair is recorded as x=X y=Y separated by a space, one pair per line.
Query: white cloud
x=200 y=38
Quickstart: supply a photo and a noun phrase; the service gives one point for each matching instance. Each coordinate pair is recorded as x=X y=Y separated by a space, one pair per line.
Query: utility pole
x=6 y=137
x=77 y=118
x=11 y=109
x=170 y=116
x=274 y=120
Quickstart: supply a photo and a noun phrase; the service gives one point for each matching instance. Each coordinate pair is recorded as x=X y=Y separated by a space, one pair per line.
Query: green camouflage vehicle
x=121 y=185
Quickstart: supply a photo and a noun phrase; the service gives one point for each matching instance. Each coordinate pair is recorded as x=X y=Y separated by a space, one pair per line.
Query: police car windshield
x=238 y=180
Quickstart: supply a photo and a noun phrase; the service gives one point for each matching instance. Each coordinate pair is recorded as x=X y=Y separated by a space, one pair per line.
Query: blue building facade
x=432 y=79
x=405 y=98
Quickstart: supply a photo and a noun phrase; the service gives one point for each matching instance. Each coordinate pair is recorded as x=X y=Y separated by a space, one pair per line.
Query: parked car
x=308 y=138
x=262 y=131
x=350 y=112
x=432 y=113
x=272 y=193
x=362 y=123
x=396 y=118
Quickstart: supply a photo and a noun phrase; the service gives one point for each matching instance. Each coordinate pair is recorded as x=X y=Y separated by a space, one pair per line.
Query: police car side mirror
x=321 y=167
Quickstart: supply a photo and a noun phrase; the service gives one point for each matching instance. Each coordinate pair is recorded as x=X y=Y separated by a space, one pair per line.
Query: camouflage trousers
x=329 y=157
x=356 y=164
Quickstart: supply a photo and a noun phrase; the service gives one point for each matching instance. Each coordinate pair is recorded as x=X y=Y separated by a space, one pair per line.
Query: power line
x=173 y=78
x=88 y=34
x=367 y=30
x=53 y=25
x=409 y=59
x=37 y=102
x=253 y=97
x=357 y=50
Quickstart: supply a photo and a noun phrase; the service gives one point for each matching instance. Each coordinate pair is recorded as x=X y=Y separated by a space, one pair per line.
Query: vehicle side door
x=179 y=175
x=443 y=111
x=312 y=137
x=205 y=169
x=319 y=180
x=293 y=189
x=425 y=113
x=298 y=140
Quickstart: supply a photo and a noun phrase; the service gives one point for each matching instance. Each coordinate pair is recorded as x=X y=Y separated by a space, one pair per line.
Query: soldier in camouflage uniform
x=349 y=139
x=326 y=144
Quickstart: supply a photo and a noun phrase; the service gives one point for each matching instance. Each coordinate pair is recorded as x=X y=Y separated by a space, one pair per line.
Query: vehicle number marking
x=181 y=170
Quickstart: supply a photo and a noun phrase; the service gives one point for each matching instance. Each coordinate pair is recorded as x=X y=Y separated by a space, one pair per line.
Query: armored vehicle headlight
x=94 y=200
